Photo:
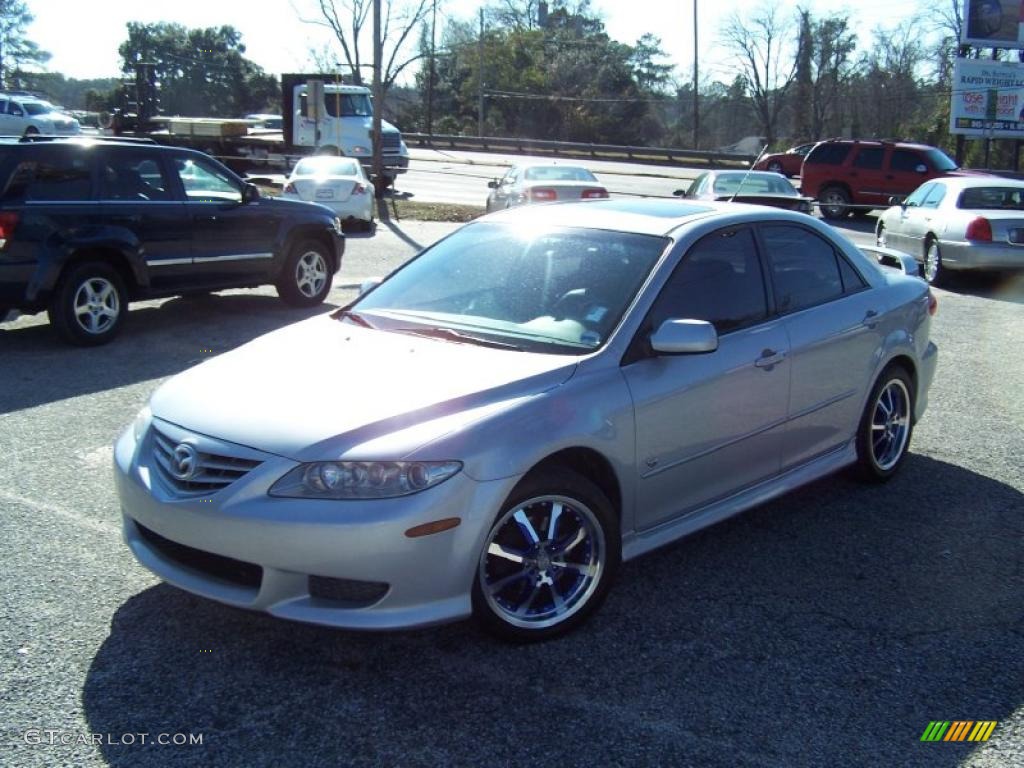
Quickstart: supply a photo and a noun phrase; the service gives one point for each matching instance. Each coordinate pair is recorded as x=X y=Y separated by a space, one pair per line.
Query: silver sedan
x=527 y=403
x=958 y=224
x=543 y=183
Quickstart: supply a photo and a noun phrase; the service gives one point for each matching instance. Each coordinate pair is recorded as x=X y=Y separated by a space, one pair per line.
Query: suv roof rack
x=39 y=138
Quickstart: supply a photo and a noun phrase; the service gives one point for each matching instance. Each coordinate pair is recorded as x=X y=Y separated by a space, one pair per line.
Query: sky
x=83 y=37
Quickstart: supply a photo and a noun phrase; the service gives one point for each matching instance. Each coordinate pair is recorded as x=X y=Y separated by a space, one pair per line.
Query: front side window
x=57 y=177
x=906 y=161
x=205 y=182
x=916 y=198
x=804 y=268
x=555 y=289
x=719 y=280
x=348 y=105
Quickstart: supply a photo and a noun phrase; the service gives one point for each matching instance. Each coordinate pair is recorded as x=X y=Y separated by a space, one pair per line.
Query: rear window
x=558 y=173
x=992 y=198
x=828 y=154
x=55 y=178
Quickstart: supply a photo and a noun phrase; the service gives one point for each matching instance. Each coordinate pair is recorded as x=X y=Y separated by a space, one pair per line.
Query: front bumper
x=282 y=543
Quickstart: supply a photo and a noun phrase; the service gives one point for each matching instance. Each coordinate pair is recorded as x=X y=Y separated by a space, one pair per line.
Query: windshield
x=558 y=173
x=326 y=166
x=37 y=107
x=554 y=289
x=940 y=160
x=348 y=104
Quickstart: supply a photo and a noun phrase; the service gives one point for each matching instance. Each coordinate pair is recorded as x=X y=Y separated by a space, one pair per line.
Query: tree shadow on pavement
x=827 y=627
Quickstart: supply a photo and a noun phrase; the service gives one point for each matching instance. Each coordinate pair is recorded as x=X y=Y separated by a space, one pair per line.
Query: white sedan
x=340 y=183
x=955 y=224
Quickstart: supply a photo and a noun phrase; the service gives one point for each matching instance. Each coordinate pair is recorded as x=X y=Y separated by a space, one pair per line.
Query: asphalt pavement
x=825 y=628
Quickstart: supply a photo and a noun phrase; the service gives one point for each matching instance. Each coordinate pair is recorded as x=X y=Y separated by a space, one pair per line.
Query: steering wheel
x=572 y=304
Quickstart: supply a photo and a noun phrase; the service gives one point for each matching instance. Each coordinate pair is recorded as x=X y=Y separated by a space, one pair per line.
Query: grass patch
x=424 y=211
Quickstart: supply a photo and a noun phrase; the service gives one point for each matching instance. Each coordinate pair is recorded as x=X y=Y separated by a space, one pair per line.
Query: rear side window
x=828 y=154
x=869 y=157
x=58 y=177
x=132 y=176
x=904 y=160
x=805 y=267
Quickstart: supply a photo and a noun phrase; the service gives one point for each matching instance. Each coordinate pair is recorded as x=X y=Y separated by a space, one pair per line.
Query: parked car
x=757 y=187
x=87 y=225
x=22 y=114
x=850 y=176
x=339 y=183
x=543 y=183
x=787 y=163
x=543 y=393
x=957 y=224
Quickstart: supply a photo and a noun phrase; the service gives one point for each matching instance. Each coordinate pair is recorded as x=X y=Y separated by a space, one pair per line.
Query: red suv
x=852 y=176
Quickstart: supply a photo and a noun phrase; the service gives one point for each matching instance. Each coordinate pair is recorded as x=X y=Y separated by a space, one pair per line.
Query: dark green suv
x=87 y=225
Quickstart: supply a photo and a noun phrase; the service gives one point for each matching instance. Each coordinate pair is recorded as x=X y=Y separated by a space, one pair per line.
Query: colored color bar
x=988 y=731
x=935 y=730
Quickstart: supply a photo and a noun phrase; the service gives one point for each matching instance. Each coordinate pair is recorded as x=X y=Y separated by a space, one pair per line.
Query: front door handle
x=769 y=359
x=870 y=318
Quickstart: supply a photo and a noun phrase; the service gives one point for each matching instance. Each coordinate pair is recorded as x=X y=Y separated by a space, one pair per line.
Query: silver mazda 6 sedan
x=539 y=396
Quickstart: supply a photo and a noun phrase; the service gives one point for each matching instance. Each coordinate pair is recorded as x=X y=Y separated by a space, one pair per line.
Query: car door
x=900 y=228
x=232 y=240
x=138 y=200
x=867 y=179
x=505 y=189
x=907 y=170
x=832 y=318
x=922 y=219
x=5 y=119
x=710 y=424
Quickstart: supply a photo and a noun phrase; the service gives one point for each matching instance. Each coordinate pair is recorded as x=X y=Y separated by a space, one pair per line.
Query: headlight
x=357 y=150
x=141 y=423
x=362 y=479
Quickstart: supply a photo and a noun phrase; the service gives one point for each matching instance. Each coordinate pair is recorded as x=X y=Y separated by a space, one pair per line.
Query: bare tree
x=347 y=19
x=761 y=42
x=834 y=43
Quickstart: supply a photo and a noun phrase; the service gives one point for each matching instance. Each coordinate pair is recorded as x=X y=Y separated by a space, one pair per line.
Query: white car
x=340 y=183
x=27 y=115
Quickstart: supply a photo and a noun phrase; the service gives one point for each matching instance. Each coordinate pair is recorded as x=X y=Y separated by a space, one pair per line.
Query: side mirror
x=367 y=285
x=897 y=200
x=921 y=168
x=492 y=184
x=250 y=193
x=684 y=337
x=680 y=193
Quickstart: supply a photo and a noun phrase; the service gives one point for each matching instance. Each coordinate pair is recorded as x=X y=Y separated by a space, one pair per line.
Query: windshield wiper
x=355 y=317
x=450 y=334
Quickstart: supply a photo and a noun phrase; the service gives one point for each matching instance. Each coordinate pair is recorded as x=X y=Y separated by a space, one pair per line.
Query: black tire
x=31 y=131
x=834 y=202
x=880 y=236
x=581 y=586
x=88 y=307
x=882 y=443
x=932 y=270
x=307 y=275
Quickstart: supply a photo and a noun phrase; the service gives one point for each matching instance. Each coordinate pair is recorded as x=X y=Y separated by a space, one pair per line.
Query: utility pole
x=430 y=84
x=378 y=104
x=696 y=83
x=480 y=78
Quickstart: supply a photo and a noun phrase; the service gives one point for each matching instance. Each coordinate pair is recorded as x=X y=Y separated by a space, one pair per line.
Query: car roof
x=970 y=182
x=881 y=143
x=644 y=216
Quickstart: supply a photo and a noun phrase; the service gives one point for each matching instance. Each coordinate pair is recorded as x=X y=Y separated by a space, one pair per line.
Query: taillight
x=593 y=194
x=289 y=188
x=933 y=304
x=358 y=189
x=980 y=229
x=542 y=194
x=8 y=221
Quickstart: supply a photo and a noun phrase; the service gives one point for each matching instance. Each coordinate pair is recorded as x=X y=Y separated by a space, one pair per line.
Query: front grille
x=352 y=593
x=390 y=142
x=215 y=566
x=211 y=472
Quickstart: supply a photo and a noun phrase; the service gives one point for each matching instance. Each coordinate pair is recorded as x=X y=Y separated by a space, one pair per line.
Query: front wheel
x=306 y=278
x=883 y=436
x=89 y=304
x=880 y=237
x=548 y=560
x=834 y=203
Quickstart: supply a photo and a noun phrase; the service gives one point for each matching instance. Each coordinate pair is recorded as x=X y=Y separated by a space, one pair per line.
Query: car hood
x=322 y=387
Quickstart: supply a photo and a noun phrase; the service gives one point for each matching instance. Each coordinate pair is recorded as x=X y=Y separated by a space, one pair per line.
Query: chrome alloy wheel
x=542 y=562
x=97 y=305
x=310 y=274
x=890 y=424
x=932 y=263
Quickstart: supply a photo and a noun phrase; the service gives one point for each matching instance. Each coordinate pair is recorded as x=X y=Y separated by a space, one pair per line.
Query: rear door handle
x=870 y=318
x=769 y=359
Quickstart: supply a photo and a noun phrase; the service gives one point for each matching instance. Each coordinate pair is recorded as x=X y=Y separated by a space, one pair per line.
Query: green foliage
x=201 y=72
x=93 y=94
x=16 y=51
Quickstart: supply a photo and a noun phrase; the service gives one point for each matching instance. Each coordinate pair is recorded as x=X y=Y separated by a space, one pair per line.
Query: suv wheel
x=834 y=202
x=306 y=278
x=89 y=304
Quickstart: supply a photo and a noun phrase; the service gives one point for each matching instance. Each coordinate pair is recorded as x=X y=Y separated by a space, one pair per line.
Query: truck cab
x=338 y=119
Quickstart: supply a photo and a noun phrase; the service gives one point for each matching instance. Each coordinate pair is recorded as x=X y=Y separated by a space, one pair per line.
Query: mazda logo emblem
x=185 y=463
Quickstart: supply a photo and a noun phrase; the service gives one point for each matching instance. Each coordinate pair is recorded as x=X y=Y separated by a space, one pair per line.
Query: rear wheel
x=834 y=202
x=886 y=426
x=934 y=272
x=549 y=558
x=89 y=304
x=306 y=278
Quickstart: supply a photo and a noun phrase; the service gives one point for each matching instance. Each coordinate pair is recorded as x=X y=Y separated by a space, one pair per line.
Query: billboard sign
x=988 y=99
x=993 y=23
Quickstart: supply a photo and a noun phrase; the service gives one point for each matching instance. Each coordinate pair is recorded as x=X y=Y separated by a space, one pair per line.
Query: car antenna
x=745 y=175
